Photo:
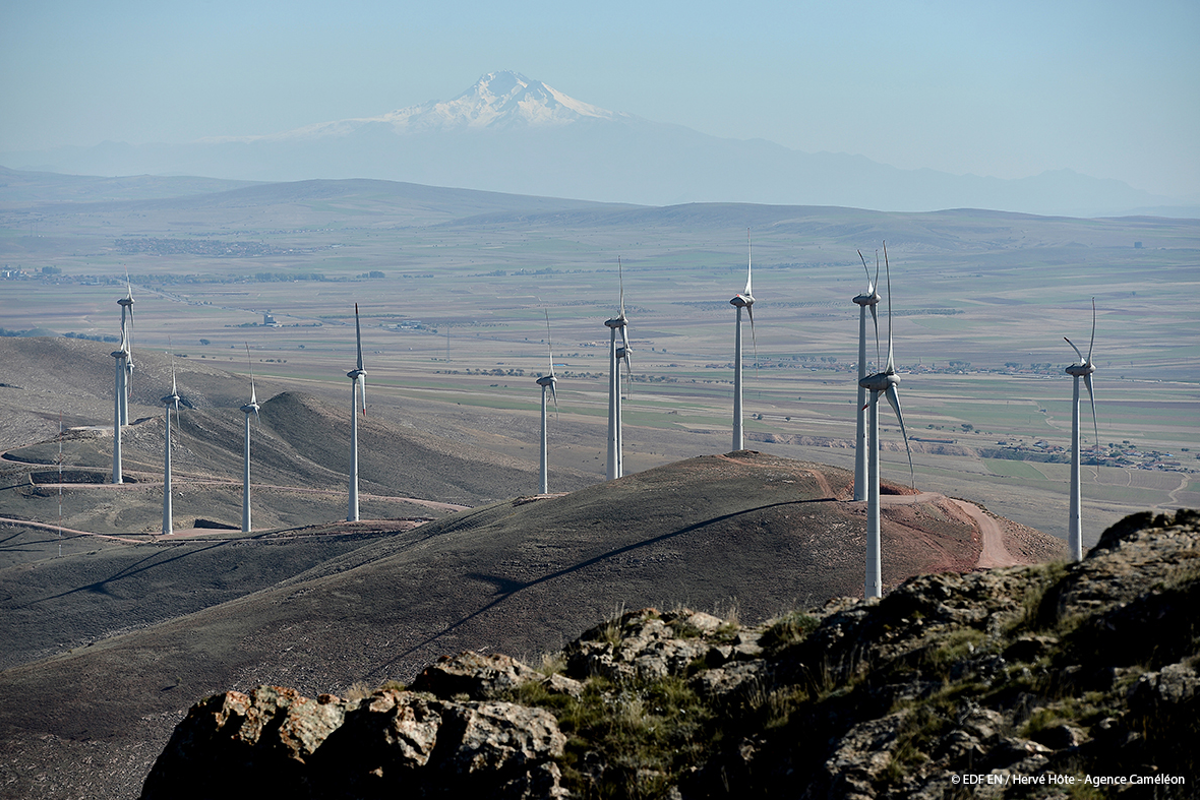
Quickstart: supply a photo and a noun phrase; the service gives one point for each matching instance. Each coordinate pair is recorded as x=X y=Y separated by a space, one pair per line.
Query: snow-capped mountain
x=510 y=133
x=498 y=101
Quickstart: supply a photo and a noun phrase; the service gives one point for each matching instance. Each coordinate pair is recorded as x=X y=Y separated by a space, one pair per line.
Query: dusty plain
x=455 y=329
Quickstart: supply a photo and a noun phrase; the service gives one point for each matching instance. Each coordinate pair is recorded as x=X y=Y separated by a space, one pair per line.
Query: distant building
x=270 y=320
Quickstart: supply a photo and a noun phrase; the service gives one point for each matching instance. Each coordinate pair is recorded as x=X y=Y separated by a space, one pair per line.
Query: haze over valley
x=512 y=133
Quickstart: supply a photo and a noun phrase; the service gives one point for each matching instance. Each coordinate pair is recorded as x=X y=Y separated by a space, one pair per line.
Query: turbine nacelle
x=1080 y=370
x=880 y=381
x=742 y=301
x=871 y=298
x=547 y=380
x=616 y=322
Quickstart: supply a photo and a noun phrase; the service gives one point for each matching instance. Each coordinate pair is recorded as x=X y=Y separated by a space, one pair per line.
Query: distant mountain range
x=510 y=133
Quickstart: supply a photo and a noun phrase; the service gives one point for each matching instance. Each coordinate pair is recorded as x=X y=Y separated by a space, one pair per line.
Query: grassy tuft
x=787 y=630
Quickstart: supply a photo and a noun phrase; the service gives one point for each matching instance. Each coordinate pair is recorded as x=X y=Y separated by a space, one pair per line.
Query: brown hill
x=1029 y=678
x=748 y=531
x=300 y=448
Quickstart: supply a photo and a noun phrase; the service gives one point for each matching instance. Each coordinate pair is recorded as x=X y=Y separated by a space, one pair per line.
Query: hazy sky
x=1007 y=89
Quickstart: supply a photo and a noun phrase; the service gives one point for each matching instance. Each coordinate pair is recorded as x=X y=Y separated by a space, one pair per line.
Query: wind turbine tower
x=868 y=299
x=121 y=354
x=170 y=401
x=615 y=356
x=252 y=406
x=744 y=300
x=126 y=304
x=1083 y=369
x=880 y=383
x=547 y=381
x=358 y=378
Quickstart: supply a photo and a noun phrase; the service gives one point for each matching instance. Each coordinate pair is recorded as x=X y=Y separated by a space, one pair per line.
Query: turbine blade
x=749 y=264
x=171 y=347
x=358 y=335
x=890 y=363
x=875 y=283
x=361 y=384
x=129 y=295
x=893 y=398
x=625 y=358
x=1087 y=381
x=250 y=364
x=1093 y=342
x=753 y=338
x=549 y=348
x=554 y=397
x=1076 y=349
x=621 y=280
x=875 y=319
x=865 y=269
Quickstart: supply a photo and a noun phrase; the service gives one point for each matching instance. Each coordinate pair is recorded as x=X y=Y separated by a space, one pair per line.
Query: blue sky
x=1007 y=89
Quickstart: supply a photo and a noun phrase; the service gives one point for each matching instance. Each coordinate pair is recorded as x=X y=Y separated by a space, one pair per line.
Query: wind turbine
x=171 y=400
x=547 y=381
x=126 y=304
x=615 y=356
x=121 y=354
x=881 y=383
x=743 y=300
x=1083 y=369
x=868 y=299
x=358 y=377
x=251 y=406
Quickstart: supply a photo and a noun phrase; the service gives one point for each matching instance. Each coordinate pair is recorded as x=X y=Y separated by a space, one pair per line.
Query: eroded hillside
x=1014 y=682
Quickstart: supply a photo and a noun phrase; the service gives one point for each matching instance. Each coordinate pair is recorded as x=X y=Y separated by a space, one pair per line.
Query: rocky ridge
x=1024 y=674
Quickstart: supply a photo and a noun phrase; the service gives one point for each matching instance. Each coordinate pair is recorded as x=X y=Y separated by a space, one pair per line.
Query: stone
x=478 y=676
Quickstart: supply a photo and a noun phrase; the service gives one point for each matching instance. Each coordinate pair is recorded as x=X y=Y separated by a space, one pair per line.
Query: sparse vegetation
x=787 y=630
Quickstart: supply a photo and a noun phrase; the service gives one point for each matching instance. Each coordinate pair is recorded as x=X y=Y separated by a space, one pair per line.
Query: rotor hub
x=880 y=381
x=1080 y=370
x=868 y=299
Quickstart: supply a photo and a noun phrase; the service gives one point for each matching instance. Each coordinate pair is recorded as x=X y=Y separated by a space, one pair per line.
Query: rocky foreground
x=1013 y=682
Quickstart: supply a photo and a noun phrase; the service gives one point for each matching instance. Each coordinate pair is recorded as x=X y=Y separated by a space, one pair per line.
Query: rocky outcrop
x=274 y=742
x=1079 y=670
